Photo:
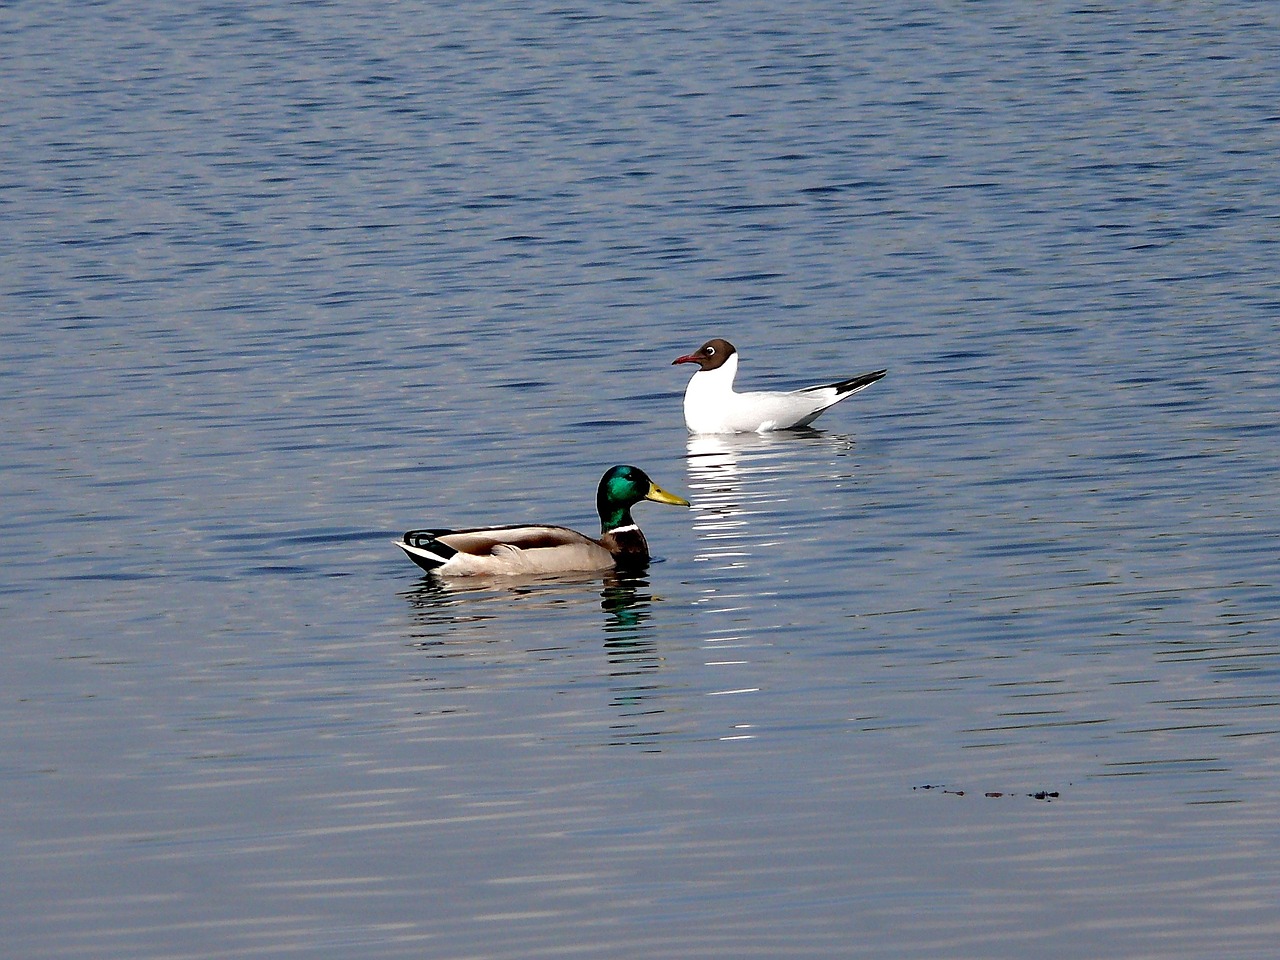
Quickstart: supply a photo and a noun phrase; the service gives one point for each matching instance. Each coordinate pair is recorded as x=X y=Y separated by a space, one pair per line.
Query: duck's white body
x=510 y=551
x=545 y=548
x=711 y=405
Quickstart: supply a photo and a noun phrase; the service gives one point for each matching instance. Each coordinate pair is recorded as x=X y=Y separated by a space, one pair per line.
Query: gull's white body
x=711 y=405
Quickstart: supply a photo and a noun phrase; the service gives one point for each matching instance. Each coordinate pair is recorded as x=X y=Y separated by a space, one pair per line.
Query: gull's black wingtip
x=854 y=384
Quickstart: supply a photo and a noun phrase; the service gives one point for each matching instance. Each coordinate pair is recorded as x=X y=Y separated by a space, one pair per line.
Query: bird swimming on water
x=543 y=548
x=711 y=405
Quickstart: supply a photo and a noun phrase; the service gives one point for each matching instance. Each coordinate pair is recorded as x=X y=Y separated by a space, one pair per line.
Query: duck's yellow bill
x=658 y=495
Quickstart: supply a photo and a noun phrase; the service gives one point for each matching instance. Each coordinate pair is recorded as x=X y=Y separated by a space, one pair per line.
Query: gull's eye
x=711 y=351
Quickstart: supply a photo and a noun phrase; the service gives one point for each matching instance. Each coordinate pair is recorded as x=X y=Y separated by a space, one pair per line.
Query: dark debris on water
x=1045 y=795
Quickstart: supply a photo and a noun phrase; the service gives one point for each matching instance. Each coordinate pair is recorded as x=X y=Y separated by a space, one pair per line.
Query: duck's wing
x=534 y=548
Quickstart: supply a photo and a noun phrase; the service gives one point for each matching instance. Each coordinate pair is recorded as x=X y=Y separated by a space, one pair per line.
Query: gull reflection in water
x=734 y=477
x=740 y=485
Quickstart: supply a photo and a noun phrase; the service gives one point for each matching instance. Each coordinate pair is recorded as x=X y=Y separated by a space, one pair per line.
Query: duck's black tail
x=424 y=549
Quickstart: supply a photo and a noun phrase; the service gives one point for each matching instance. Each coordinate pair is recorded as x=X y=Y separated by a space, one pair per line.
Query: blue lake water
x=987 y=666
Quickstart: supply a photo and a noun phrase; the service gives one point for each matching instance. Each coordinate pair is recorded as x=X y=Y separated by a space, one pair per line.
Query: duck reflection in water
x=439 y=600
x=626 y=601
x=478 y=617
x=634 y=663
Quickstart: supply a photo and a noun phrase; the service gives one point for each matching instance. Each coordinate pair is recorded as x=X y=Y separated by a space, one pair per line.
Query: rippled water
x=987 y=666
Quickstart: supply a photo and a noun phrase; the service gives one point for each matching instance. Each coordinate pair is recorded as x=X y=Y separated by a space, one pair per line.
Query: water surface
x=985 y=666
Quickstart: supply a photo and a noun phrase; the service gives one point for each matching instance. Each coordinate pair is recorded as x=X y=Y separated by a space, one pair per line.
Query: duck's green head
x=621 y=488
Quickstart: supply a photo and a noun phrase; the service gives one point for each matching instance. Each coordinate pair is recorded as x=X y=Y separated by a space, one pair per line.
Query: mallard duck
x=712 y=406
x=537 y=548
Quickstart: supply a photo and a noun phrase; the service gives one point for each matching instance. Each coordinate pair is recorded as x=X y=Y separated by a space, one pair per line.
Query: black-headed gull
x=539 y=548
x=711 y=405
